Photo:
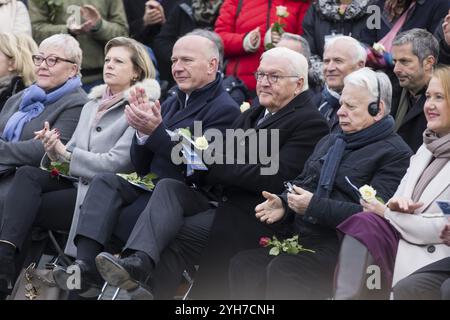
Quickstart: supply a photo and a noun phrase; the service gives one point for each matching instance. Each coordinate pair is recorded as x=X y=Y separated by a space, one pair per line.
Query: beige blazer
x=420 y=244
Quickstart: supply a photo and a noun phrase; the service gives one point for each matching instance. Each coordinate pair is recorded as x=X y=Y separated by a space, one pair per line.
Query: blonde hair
x=442 y=73
x=19 y=48
x=139 y=56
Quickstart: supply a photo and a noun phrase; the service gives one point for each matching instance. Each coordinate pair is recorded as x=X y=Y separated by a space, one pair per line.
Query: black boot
x=352 y=273
x=7 y=266
x=130 y=273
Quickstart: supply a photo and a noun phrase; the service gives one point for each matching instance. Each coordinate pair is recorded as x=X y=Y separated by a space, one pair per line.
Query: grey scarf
x=440 y=148
x=330 y=9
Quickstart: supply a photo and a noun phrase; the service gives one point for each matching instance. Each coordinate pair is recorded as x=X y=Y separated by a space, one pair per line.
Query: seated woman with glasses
x=101 y=143
x=56 y=97
x=16 y=65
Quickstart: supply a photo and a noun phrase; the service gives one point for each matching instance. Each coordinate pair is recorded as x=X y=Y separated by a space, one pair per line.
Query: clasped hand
x=141 y=114
x=51 y=142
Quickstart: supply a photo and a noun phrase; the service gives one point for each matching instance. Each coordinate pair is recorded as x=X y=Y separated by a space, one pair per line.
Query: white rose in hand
x=368 y=193
x=201 y=143
x=282 y=11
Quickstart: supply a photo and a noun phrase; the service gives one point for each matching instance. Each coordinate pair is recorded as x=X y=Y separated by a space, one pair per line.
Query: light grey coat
x=101 y=147
x=420 y=244
x=62 y=114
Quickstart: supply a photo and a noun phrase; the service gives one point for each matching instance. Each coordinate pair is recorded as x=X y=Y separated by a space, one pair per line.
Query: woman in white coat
x=402 y=236
x=101 y=143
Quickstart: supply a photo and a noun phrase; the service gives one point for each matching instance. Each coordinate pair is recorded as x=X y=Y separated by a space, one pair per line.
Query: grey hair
x=306 y=50
x=68 y=44
x=295 y=62
x=216 y=48
x=358 y=52
x=423 y=43
x=367 y=78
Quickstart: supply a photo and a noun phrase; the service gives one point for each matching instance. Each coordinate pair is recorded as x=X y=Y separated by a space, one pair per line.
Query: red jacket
x=253 y=13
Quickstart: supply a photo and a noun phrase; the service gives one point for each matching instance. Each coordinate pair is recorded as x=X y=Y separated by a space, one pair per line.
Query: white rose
x=245 y=106
x=201 y=143
x=379 y=47
x=282 y=11
x=367 y=193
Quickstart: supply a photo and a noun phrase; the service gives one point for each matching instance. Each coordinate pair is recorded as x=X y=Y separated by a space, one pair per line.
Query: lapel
x=436 y=186
x=417 y=166
x=299 y=101
x=416 y=110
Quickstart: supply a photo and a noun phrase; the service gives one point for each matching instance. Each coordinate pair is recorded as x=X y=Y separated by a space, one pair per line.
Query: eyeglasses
x=50 y=61
x=272 y=78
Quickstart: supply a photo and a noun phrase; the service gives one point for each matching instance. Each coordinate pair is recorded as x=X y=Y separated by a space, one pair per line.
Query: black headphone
x=374 y=107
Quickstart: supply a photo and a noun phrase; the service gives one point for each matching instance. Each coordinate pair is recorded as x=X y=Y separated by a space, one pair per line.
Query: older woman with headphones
x=402 y=236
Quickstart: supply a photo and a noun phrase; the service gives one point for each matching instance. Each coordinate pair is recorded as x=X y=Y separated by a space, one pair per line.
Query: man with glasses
x=181 y=216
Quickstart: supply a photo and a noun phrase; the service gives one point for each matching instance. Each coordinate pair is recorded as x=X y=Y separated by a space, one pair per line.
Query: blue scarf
x=34 y=101
x=378 y=131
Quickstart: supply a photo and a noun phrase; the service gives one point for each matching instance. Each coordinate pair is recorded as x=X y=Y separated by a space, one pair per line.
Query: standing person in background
x=328 y=18
x=16 y=64
x=242 y=25
x=402 y=15
x=185 y=17
x=14 y=17
x=146 y=17
x=101 y=20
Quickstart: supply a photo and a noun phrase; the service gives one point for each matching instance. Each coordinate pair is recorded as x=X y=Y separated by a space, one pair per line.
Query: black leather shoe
x=129 y=273
x=89 y=284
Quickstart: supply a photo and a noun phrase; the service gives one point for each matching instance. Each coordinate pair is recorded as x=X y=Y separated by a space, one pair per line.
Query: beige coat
x=420 y=244
x=103 y=147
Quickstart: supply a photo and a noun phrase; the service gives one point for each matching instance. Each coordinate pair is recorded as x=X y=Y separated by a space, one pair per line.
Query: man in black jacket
x=368 y=152
x=112 y=205
x=183 y=216
x=414 y=52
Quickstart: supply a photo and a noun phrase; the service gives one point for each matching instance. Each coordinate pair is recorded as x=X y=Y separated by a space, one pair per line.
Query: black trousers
x=254 y=274
x=164 y=215
x=183 y=253
x=432 y=282
x=36 y=199
x=110 y=210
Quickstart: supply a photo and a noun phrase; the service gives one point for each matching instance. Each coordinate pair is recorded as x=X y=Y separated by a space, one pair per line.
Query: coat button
x=98 y=129
x=224 y=199
x=431 y=249
x=242 y=143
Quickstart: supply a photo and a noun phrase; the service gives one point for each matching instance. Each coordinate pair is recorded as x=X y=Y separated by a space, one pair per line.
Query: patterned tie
x=267 y=116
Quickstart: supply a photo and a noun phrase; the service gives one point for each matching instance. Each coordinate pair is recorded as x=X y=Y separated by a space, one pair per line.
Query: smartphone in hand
x=289 y=187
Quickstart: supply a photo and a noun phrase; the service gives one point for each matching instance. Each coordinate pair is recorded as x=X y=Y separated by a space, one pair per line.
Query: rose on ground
x=264 y=241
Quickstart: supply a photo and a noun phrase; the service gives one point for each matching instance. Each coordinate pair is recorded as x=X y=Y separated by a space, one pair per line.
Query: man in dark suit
x=414 y=52
x=112 y=205
x=181 y=217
